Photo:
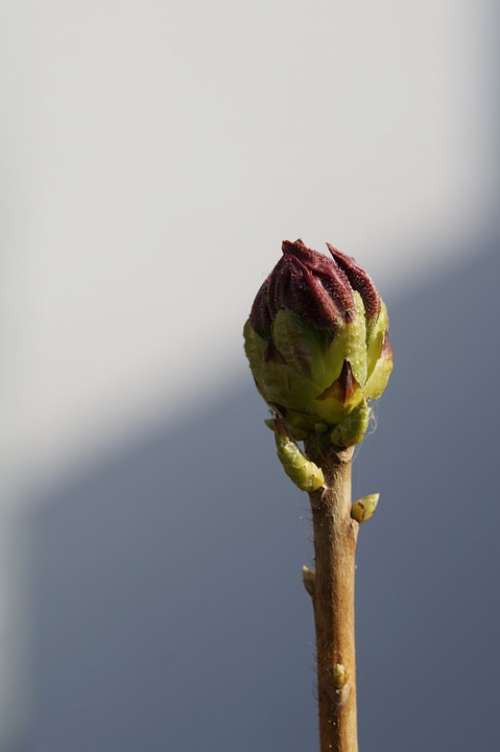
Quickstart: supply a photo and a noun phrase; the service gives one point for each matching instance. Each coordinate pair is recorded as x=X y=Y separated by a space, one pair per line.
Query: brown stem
x=335 y=537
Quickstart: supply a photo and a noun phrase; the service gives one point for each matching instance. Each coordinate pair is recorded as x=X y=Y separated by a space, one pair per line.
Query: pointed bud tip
x=363 y=509
x=359 y=280
x=291 y=246
x=308 y=579
x=343 y=388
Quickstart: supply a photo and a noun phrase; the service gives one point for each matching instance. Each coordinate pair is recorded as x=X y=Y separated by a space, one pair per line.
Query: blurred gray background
x=153 y=157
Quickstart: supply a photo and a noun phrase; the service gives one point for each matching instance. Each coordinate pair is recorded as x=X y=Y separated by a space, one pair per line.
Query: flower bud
x=317 y=343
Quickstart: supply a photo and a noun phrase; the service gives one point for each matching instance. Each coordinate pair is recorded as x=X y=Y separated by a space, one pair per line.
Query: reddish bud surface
x=314 y=286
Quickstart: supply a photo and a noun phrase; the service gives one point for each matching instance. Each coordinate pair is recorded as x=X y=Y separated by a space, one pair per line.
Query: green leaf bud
x=363 y=509
x=304 y=473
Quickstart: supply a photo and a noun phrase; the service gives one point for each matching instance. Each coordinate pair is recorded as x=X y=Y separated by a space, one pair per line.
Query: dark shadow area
x=167 y=603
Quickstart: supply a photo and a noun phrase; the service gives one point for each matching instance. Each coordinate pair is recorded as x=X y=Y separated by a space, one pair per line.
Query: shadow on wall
x=167 y=603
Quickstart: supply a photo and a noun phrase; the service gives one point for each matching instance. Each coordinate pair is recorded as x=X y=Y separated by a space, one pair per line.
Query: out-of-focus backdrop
x=153 y=156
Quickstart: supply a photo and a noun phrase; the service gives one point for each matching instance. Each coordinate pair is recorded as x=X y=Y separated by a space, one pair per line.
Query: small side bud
x=305 y=474
x=363 y=509
x=308 y=578
x=340 y=675
x=353 y=428
x=342 y=683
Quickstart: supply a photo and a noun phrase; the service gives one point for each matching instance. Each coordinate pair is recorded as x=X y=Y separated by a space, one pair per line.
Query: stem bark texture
x=335 y=538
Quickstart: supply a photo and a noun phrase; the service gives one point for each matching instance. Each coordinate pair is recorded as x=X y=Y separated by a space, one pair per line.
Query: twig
x=335 y=538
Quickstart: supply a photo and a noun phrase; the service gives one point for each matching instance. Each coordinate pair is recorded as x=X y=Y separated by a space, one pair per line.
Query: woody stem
x=335 y=538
